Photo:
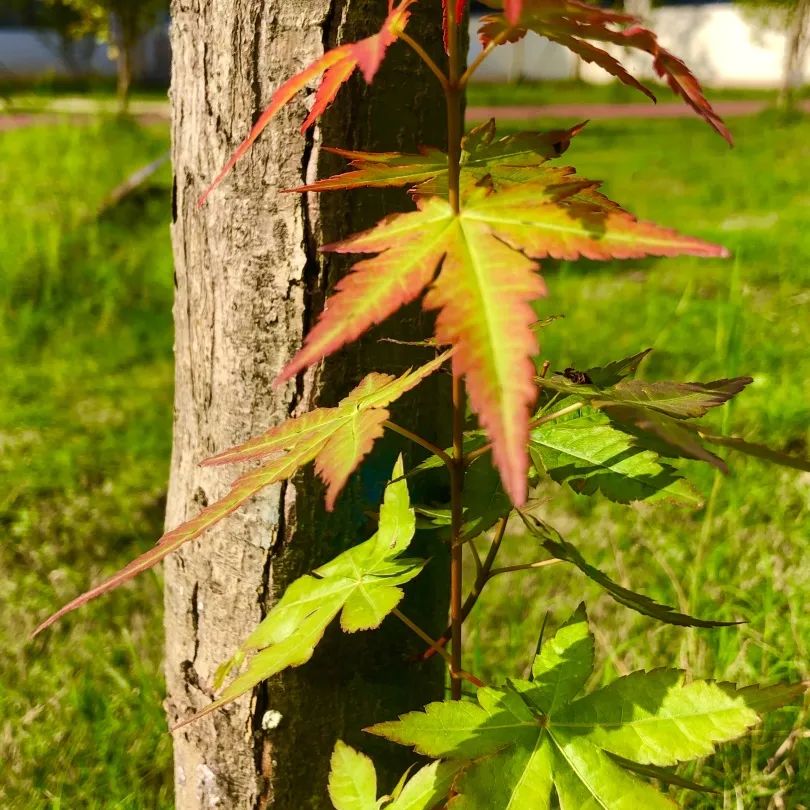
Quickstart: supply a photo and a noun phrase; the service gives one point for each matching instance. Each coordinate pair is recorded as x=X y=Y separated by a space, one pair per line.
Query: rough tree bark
x=249 y=282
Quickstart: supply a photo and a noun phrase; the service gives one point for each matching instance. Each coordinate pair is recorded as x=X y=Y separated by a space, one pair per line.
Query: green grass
x=572 y=92
x=85 y=418
x=85 y=431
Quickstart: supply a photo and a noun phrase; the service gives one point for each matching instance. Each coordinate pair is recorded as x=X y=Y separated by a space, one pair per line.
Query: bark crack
x=195 y=620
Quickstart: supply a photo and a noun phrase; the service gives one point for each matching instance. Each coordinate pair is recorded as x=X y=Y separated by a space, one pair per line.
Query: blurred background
x=86 y=393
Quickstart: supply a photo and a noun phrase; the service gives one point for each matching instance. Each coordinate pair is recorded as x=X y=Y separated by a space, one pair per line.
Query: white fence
x=718 y=41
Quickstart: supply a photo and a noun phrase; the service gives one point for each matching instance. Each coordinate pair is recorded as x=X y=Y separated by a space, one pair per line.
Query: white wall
x=720 y=43
x=26 y=52
x=717 y=41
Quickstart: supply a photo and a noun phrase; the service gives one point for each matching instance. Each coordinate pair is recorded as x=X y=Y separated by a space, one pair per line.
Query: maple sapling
x=485 y=213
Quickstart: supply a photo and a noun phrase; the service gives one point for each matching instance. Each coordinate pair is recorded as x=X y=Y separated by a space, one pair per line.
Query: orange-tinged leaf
x=382 y=169
x=243 y=488
x=608 y=63
x=378 y=287
x=485 y=284
x=347 y=448
x=322 y=421
x=544 y=220
x=484 y=294
x=336 y=438
x=572 y=23
x=482 y=156
x=336 y=66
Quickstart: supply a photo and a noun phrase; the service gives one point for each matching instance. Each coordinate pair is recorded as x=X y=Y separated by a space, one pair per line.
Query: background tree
x=249 y=283
x=59 y=27
x=793 y=18
x=119 y=23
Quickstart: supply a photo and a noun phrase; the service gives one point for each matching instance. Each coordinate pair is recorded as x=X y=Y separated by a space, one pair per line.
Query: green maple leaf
x=361 y=584
x=528 y=739
x=486 y=281
x=353 y=783
x=589 y=454
x=561 y=549
x=336 y=439
x=503 y=161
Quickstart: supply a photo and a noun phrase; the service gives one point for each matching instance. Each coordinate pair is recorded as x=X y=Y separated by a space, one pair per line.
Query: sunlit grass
x=85 y=414
x=85 y=428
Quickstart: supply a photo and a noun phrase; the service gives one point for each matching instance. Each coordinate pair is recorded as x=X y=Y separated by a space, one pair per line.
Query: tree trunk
x=798 y=32
x=249 y=283
x=124 y=77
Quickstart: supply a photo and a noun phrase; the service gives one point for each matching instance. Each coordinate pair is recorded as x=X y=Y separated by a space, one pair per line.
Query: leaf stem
x=434 y=645
x=478 y=61
x=425 y=57
x=541 y=420
x=416 y=438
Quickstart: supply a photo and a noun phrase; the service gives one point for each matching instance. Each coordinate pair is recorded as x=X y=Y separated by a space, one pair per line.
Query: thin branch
x=541 y=420
x=478 y=61
x=435 y=645
x=415 y=437
x=478 y=586
x=425 y=57
x=476 y=556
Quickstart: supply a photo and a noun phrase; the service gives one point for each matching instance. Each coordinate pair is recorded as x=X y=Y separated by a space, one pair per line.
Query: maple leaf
x=360 y=584
x=562 y=550
x=486 y=281
x=589 y=454
x=504 y=161
x=353 y=783
x=336 y=66
x=337 y=439
x=572 y=24
x=520 y=742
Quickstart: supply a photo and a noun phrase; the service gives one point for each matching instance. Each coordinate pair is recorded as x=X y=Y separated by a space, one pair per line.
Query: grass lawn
x=85 y=418
x=486 y=94
x=85 y=433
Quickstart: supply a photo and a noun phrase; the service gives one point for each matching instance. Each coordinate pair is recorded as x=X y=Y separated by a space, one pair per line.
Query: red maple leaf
x=336 y=66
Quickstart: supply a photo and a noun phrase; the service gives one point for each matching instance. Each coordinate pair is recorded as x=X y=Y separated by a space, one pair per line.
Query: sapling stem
x=456 y=540
x=455 y=124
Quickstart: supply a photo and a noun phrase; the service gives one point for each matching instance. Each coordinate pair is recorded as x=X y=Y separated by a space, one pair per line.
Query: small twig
x=435 y=645
x=425 y=57
x=541 y=420
x=544 y=370
x=415 y=437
